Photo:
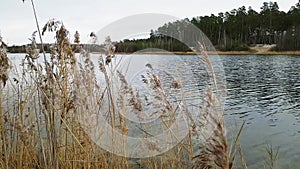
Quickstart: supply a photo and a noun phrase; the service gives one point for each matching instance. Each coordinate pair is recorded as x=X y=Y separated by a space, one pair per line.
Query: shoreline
x=296 y=53
x=214 y=53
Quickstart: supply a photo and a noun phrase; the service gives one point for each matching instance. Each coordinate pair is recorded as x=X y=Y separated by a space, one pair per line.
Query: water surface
x=263 y=91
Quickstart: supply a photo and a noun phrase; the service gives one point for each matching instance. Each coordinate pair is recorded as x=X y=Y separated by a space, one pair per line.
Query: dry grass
x=4 y=65
x=214 y=151
x=41 y=106
x=271 y=157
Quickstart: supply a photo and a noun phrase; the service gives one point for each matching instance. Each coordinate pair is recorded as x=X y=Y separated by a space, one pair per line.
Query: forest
x=235 y=30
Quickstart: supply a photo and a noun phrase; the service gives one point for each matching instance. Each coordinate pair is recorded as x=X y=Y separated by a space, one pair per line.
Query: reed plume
x=39 y=120
x=214 y=151
x=4 y=65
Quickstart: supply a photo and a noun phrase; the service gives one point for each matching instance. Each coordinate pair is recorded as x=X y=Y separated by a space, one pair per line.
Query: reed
x=41 y=107
x=4 y=65
x=42 y=102
x=271 y=157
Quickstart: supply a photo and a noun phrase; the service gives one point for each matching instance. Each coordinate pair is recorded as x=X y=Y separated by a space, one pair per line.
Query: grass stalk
x=39 y=31
x=55 y=98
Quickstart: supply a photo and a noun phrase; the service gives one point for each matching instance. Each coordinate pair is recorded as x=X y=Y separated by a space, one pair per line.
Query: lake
x=263 y=91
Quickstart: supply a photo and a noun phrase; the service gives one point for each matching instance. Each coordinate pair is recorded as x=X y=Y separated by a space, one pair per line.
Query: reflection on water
x=263 y=91
x=266 y=85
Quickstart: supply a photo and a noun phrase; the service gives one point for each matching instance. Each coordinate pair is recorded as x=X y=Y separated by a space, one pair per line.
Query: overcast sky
x=17 y=21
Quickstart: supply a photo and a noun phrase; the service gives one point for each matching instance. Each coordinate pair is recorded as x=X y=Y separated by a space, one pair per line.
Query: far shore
x=257 y=49
x=218 y=53
x=209 y=52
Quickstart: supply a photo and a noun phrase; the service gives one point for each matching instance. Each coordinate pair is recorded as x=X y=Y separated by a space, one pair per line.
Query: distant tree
x=77 y=37
x=231 y=30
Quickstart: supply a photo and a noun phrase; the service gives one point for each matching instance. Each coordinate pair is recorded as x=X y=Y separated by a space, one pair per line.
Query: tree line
x=234 y=30
x=48 y=48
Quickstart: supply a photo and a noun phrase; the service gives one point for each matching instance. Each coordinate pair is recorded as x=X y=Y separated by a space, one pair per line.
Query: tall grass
x=271 y=157
x=41 y=105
